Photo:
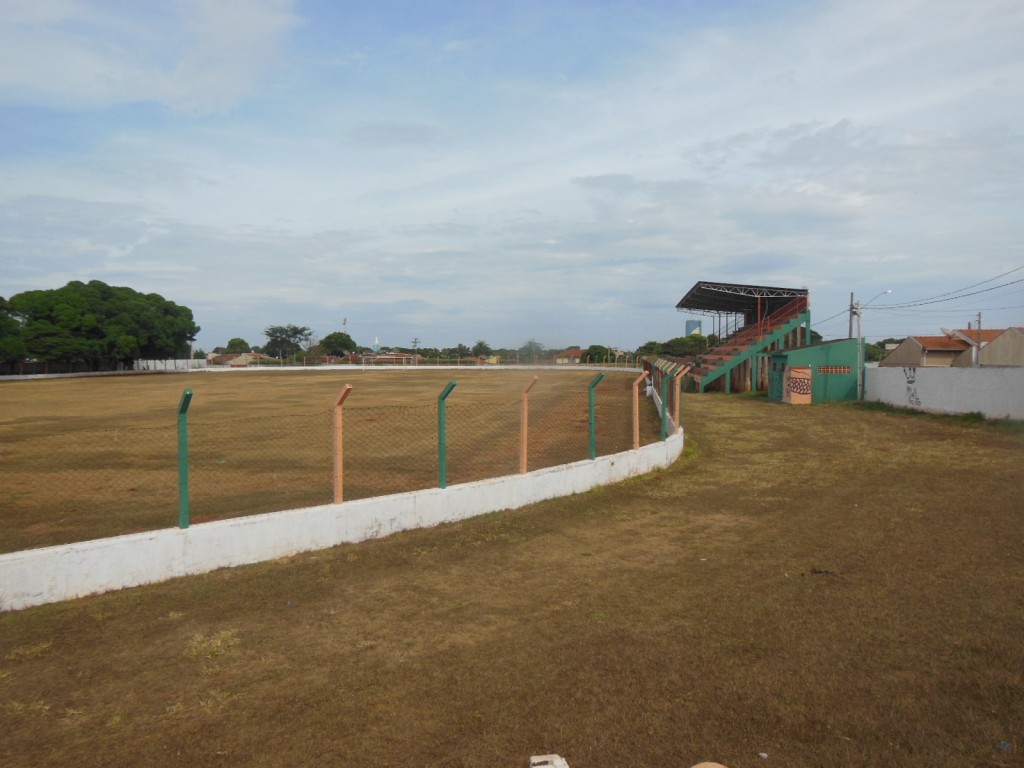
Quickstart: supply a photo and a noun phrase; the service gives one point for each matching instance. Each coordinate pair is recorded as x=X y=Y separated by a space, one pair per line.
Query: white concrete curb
x=50 y=574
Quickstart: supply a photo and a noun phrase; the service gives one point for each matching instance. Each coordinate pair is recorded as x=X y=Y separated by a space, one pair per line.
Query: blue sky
x=561 y=171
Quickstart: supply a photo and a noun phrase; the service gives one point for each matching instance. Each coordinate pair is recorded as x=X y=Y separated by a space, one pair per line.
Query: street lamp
x=859 y=309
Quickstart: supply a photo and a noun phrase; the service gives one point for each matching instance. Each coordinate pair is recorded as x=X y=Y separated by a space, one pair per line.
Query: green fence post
x=183 y=508
x=442 y=435
x=593 y=417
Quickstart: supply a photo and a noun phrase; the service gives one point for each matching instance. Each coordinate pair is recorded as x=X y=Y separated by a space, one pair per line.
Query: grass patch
x=25 y=652
x=815 y=584
x=202 y=646
x=1007 y=425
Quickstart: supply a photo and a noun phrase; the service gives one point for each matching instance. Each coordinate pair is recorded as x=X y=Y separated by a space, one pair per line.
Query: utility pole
x=860 y=351
x=858 y=307
x=850 y=334
x=977 y=349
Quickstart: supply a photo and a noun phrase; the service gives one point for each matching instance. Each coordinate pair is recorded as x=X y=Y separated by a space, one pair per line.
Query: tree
x=874 y=353
x=286 y=340
x=595 y=354
x=684 y=346
x=238 y=347
x=482 y=349
x=101 y=325
x=532 y=350
x=651 y=349
x=12 y=346
x=338 y=344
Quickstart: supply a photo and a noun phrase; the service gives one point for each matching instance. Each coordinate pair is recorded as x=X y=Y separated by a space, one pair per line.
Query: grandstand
x=749 y=321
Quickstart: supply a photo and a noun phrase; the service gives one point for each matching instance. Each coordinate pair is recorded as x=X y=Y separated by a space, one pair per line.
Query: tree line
x=95 y=325
x=103 y=327
x=292 y=342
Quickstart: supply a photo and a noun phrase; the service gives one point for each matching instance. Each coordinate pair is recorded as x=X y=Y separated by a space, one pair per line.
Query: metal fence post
x=677 y=381
x=524 y=418
x=339 y=470
x=636 y=409
x=592 y=411
x=442 y=435
x=664 y=408
x=183 y=500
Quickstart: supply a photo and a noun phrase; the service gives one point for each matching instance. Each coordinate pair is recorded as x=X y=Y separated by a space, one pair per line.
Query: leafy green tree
x=102 y=325
x=651 y=349
x=12 y=345
x=338 y=344
x=684 y=346
x=482 y=349
x=286 y=340
x=874 y=353
x=238 y=347
x=531 y=350
x=595 y=353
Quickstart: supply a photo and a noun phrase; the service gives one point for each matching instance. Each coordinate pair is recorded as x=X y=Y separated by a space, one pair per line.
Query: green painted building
x=826 y=371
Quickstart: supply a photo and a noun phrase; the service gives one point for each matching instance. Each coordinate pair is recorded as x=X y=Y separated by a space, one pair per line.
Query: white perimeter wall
x=996 y=392
x=171 y=365
x=51 y=574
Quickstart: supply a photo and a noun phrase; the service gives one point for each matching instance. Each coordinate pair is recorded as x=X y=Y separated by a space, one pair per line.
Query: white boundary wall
x=51 y=574
x=998 y=393
x=196 y=364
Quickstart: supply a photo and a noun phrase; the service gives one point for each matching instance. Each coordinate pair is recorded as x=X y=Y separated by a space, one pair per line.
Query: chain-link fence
x=56 y=488
x=65 y=487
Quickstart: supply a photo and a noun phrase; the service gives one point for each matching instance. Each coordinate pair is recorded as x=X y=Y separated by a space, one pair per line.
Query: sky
x=556 y=170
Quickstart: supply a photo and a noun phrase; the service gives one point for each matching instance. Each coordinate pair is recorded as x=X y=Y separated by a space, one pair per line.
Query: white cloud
x=835 y=145
x=190 y=55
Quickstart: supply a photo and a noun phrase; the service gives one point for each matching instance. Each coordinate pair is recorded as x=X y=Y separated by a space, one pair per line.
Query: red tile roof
x=941 y=342
x=986 y=334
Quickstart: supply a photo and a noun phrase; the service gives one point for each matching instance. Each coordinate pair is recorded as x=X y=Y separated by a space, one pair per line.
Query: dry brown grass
x=91 y=457
x=829 y=586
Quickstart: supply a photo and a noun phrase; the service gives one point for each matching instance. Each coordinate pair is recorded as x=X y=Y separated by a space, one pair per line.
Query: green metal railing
x=442 y=435
x=592 y=410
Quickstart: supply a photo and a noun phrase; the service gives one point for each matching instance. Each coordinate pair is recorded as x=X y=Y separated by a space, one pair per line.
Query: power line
x=967 y=288
x=959 y=292
x=910 y=305
x=837 y=314
x=913 y=311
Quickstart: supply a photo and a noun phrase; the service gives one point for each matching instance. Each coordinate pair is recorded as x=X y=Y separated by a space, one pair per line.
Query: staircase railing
x=749 y=340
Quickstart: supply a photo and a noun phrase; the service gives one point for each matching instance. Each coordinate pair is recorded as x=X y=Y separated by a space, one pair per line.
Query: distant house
x=957 y=348
x=925 y=351
x=570 y=356
x=242 y=360
x=389 y=358
x=1007 y=348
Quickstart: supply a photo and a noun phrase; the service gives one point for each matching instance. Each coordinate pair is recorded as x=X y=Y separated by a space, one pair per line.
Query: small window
x=834 y=369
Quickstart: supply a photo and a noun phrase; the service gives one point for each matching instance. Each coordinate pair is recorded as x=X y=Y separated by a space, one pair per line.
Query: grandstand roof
x=733 y=298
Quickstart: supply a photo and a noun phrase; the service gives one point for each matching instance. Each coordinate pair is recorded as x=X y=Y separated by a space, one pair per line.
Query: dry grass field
x=84 y=458
x=806 y=587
